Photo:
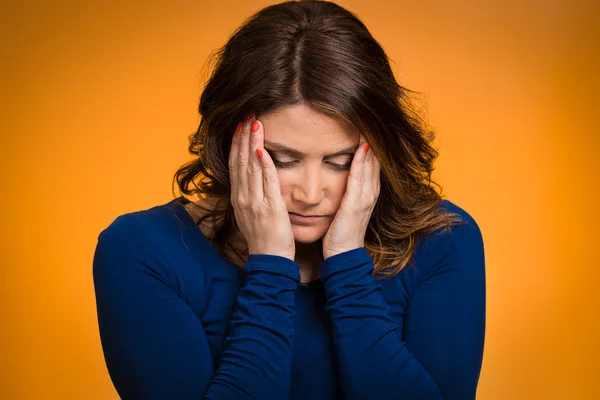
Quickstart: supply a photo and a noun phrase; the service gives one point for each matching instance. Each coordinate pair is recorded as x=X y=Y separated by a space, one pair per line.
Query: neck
x=309 y=257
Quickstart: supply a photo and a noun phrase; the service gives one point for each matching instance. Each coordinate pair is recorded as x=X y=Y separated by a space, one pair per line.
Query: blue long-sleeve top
x=178 y=321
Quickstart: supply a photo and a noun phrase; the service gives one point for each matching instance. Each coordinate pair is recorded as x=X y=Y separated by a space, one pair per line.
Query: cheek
x=284 y=180
x=338 y=192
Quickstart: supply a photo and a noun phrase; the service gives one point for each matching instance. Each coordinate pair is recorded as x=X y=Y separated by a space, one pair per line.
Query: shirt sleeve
x=444 y=323
x=154 y=344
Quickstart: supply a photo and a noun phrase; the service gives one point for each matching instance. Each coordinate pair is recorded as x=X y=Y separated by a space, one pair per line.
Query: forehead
x=308 y=131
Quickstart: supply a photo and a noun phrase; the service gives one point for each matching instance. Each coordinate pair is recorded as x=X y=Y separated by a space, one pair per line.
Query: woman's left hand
x=348 y=228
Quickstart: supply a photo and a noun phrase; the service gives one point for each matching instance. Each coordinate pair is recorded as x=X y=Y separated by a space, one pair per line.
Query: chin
x=308 y=234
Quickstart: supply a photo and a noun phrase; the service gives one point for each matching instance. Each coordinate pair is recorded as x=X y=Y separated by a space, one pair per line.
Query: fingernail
x=249 y=117
x=238 y=128
x=259 y=152
x=367 y=147
x=254 y=126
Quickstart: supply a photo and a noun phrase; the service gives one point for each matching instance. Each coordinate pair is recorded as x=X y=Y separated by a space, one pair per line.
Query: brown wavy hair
x=318 y=54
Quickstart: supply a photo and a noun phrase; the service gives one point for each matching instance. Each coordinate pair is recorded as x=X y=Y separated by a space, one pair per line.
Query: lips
x=307 y=216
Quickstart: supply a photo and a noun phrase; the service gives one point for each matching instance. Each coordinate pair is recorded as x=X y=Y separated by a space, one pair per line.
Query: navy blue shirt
x=178 y=321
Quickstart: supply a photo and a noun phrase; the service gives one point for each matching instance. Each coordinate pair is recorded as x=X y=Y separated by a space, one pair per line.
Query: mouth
x=305 y=218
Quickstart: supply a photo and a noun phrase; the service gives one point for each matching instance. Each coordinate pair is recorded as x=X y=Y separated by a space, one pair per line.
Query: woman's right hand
x=260 y=212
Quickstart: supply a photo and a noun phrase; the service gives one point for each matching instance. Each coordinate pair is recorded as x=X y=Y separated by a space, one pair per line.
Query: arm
x=442 y=353
x=155 y=346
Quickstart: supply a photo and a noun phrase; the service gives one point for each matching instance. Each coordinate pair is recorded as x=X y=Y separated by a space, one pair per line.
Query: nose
x=309 y=188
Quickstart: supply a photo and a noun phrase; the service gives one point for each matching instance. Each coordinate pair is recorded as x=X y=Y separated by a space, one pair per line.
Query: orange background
x=98 y=99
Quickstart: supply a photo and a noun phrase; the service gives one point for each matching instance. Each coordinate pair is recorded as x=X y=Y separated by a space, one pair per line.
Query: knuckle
x=255 y=207
x=253 y=169
x=241 y=200
x=268 y=199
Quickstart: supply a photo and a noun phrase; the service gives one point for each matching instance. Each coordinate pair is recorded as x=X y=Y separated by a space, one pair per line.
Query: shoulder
x=457 y=248
x=146 y=240
x=467 y=230
x=153 y=224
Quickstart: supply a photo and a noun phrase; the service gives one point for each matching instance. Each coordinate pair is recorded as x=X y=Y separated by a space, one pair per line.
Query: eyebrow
x=280 y=148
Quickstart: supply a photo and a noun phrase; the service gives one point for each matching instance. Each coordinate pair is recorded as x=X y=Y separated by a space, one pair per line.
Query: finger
x=356 y=170
x=367 y=182
x=370 y=171
x=271 y=190
x=376 y=173
x=255 y=173
x=271 y=187
x=361 y=148
x=233 y=160
x=243 y=158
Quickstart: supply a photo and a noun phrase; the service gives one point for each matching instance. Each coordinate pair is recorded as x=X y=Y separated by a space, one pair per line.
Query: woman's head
x=312 y=153
x=317 y=79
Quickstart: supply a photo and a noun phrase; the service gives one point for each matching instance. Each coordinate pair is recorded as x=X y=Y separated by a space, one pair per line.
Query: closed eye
x=289 y=164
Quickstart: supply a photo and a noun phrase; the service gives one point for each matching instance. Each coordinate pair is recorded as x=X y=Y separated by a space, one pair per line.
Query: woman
x=235 y=295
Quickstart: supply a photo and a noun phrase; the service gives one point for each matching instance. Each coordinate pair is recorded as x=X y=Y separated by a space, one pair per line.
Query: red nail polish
x=367 y=147
x=249 y=117
x=259 y=152
x=238 y=128
x=254 y=126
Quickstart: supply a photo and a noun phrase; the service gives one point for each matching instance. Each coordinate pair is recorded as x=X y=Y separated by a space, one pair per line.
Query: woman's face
x=312 y=180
